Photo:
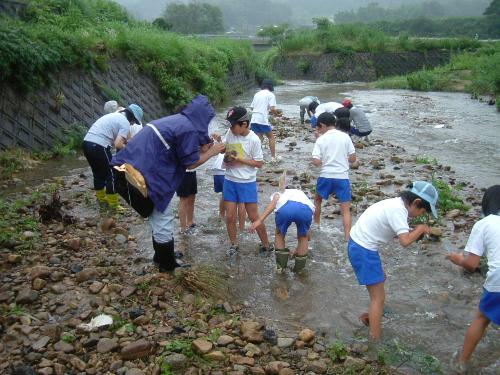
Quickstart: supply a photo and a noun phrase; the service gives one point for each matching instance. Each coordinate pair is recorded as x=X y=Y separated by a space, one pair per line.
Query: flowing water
x=429 y=302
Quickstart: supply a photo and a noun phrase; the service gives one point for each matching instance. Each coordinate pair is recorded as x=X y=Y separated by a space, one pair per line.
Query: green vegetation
x=183 y=346
x=193 y=18
x=349 y=38
x=56 y=34
x=398 y=355
x=68 y=337
x=424 y=159
x=477 y=72
x=448 y=197
x=337 y=351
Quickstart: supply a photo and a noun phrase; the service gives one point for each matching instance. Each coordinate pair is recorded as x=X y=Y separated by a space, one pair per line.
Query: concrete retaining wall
x=364 y=67
x=40 y=121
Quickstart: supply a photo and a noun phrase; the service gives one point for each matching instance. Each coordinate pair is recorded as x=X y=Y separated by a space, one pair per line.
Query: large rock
x=202 y=346
x=26 y=296
x=40 y=272
x=106 y=345
x=274 y=367
x=40 y=343
x=357 y=364
x=138 y=349
x=176 y=361
x=240 y=360
x=251 y=331
x=318 y=367
x=224 y=340
x=86 y=274
x=216 y=356
x=307 y=335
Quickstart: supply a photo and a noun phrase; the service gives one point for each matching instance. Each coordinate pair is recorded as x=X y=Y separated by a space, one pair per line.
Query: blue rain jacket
x=162 y=168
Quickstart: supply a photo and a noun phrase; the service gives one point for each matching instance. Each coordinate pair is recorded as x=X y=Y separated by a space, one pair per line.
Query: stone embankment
x=88 y=265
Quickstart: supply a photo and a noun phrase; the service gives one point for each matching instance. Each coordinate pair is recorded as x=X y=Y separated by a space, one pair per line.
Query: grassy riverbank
x=477 y=72
x=54 y=35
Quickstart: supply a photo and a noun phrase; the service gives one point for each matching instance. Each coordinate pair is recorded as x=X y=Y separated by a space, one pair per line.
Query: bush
x=56 y=34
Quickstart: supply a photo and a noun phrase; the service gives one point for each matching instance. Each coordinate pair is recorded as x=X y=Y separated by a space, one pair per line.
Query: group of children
x=235 y=173
x=333 y=151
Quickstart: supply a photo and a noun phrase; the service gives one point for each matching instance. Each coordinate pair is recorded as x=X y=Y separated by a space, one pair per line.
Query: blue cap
x=427 y=192
x=137 y=111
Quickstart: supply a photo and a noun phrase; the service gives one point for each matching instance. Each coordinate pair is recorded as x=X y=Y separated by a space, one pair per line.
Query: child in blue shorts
x=218 y=172
x=483 y=240
x=290 y=206
x=242 y=159
x=264 y=101
x=333 y=151
x=378 y=225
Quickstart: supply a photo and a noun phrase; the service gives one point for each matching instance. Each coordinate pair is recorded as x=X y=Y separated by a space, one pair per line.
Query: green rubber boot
x=101 y=198
x=114 y=202
x=300 y=263
x=281 y=258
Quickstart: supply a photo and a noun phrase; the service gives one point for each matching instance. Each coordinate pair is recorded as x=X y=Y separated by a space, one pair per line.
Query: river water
x=429 y=302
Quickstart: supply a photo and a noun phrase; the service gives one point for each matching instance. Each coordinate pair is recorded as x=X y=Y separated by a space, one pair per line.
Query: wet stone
x=64 y=347
x=27 y=296
x=22 y=370
x=176 y=361
x=75 y=268
x=106 y=345
x=40 y=343
x=285 y=342
x=137 y=349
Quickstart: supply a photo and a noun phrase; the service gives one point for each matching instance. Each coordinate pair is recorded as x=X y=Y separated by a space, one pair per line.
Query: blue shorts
x=218 y=183
x=366 y=264
x=340 y=187
x=489 y=305
x=314 y=121
x=358 y=133
x=260 y=129
x=240 y=192
x=294 y=212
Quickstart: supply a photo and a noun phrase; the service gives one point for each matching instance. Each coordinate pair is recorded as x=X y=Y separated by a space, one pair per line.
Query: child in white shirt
x=483 y=240
x=333 y=151
x=378 y=225
x=289 y=206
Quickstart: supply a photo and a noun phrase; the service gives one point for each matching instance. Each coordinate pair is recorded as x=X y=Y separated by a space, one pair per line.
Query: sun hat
x=237 y=114
x=347 y=102
x=137 y=111
x=427 y=192
x=110 y=106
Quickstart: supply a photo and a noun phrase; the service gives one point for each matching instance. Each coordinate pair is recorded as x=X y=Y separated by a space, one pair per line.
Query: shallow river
x=429 y=302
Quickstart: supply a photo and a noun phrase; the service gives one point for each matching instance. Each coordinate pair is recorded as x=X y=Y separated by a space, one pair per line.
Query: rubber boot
x=177 y=254
x=164 y=254
x=300 y=263
x=114 y=202
x=281 y=258
x=101 y=198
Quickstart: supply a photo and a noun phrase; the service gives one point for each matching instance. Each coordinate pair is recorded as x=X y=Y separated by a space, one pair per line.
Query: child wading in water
x=483 y=240
x=290 y=206
x=242 y=159
x=378 y=225
x=333 y=151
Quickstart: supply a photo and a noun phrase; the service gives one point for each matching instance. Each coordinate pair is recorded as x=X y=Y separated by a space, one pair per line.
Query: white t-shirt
x=247 y=147
x=380 y=223
x=295 y=195
x=217 y=167
x=261 y=104
x=134 y=129
x=306 y=100
x=107 y=128
x=327 y=107
x=485 y=240
x=333 y=149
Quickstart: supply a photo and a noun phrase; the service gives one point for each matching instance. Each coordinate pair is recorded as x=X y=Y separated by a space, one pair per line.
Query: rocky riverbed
x=83 y=263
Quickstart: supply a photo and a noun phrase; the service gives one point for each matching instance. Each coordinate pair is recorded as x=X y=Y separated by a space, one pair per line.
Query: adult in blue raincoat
x=161 y=152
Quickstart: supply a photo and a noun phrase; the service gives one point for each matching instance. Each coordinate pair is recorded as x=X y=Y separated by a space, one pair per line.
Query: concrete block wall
x=41 y=120
x=363 y=67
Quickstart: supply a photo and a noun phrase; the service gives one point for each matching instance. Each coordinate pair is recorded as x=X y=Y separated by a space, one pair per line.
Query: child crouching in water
x=290 y=206
x=378 y=225
x=483 y=240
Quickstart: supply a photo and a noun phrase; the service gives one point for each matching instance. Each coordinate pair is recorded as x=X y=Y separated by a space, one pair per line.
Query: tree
x=277 y=34
x=493 y=9
x=194 y=18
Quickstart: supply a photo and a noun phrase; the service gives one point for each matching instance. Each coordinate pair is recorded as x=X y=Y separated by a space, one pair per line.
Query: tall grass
x=328 y=37
x=477 y=72
x=87 y=33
